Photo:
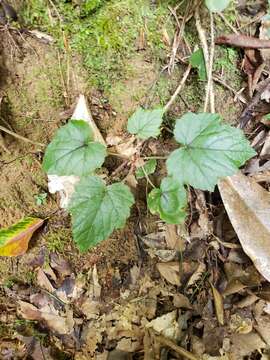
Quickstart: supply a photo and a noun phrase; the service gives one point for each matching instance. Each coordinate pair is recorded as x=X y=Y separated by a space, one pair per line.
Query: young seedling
x=209 y=151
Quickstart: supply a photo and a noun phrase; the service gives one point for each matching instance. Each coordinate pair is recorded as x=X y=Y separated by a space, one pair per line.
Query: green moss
x=105 y=32
x=30 y=277
x=57 y=239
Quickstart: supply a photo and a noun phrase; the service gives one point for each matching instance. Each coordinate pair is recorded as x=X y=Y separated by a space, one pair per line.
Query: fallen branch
x=243 y=41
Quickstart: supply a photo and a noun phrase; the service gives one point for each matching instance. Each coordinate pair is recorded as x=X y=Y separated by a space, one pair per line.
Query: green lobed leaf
x=197 y=61
x=148 y=168
x=217 y=5
x=73 y=151
x=98 y=209
x=145 y=123
x=211 y=150
x=169 y=201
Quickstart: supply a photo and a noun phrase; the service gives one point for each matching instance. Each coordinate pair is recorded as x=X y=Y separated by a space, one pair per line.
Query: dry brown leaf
x=218 y=301
x=56 y=323
x=127 y=148
x=96 y=285
x=113 y=140
x=173 y=237
x=266 y=146
x=240 y=324
x=166 y=325
x=247 y=301
x=128 y=345
x=166 y=38
x=90 y=308
x=61 y=265
x=170 y=271
x=134 y=274
x=244 y=344
x=92 y=338
x=196 y=276
x=163 y=255
x=131 y=181
x=44 y=282
x=264 y=35
x=248 y=207
x=203 y=221
x=262 y=323
x=49 y=271
x=181 y=301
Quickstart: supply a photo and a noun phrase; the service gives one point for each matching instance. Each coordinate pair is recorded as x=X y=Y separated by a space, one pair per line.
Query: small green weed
x=41 y=198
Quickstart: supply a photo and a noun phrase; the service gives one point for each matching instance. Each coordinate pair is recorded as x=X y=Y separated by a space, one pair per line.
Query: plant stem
x=155 y=157
x=147 y=178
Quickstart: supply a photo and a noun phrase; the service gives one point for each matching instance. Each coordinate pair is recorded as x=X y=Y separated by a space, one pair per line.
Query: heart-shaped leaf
x=211 y=150
x=73 y=151
x=14 y=240
x=169 y=201
x=98 y=209
x=145 y=123
x=217 y=5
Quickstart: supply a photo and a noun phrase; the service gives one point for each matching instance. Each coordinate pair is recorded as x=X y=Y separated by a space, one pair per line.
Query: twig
x=56 y=11
x=4 y=163
x=228 y=23
x=227 y=86
x=202 y=36
x=179 y=88
x=117 y=155
x=247 y=114
x=204 y=45
x=120 y=168
x=210 y=88
x=12 y=133
x=178 y=35
x=169 y=343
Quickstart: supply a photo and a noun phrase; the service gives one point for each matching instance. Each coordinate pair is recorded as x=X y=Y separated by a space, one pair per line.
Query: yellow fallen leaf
x=218 y=301
x=14 y=240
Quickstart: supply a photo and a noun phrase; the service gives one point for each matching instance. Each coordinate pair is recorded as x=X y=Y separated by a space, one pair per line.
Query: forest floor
x=152 y=290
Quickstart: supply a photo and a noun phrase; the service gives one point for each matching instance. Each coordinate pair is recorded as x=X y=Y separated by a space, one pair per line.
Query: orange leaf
x=14 y=240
